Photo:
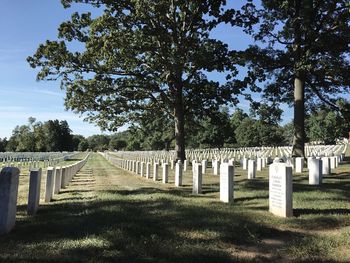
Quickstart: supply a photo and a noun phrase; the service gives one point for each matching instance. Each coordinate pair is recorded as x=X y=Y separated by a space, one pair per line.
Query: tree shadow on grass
x=321 y=219
x=75 y=191
x=150 y=228
x=336 y=187
x=250 y=198
x=342 y=175
x=254 y=184
x=75 y=198
x=82 y=181
x=314 y=211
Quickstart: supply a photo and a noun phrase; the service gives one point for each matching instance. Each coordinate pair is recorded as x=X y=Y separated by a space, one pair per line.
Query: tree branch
x=279 y=40
x=322 y=98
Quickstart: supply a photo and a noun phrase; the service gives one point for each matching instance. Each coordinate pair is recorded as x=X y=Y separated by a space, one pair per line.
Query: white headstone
x=245 y=163
x=326 y=166
x=165 y=173
x=137 y=168
x=264 y=162
x=259 y=162
x=193 y=165
x=142 y=169
x=251 y=169
x=197 y=179
x=231 y=162
x=333 y=162
x=50 y=181
x=216 y=167
x=63 y=177
x=148 y=170
x=34 y=191
x=204 y=166
x=337 y=158
x=315 y=171
x=280 y=189
x=58 y=179
x=299 y=164
x=185 y=165
x=9 y=179
x=155 y=171
x=178 y=174
x=226 y=183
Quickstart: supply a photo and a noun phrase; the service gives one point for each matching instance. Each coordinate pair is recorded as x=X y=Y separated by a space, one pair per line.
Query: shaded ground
x=109 y=215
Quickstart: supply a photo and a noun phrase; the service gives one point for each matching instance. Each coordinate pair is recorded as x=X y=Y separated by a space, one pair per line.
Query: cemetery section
x=108 y=213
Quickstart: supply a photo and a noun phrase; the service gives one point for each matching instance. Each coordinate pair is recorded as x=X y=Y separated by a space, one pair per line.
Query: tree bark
x=299 y=86
x=179 y=126
x=299 y=118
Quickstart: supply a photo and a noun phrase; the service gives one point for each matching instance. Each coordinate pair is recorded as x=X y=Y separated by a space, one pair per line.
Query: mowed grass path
x=110 y=215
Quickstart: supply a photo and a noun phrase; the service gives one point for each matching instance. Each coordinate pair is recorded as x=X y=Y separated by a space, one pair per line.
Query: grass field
x=110 y=215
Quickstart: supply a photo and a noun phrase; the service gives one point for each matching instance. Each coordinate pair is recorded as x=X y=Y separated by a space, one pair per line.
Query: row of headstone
x=57 y=178
x=144 y=169
x=280 y=175
x=26 y=157
x=281 y=180
x=226 y=172
x=32 y=163
x=232 y=153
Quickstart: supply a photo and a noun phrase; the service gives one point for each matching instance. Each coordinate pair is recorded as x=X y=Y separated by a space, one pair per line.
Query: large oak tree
x=138 y=56
x=303 y=56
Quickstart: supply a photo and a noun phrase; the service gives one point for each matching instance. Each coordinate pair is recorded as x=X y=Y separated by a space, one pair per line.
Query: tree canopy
x=303 y=55
x=145 y=63
x=51 y=136
x=139 y=56
x=262 y=127
x=326 y=126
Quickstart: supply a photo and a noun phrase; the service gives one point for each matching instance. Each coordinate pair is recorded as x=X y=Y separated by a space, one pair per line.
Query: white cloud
x=11 y=109
x=40 y=116
x=13 y=55
x=48 y=92
x=29 y=90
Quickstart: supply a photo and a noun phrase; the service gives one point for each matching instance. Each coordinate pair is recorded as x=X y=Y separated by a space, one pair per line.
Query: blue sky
x=23 y=26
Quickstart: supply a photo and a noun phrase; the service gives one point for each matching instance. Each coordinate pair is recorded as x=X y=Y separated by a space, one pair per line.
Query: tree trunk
x=299 y=118
x=179 y=126
x=299 y=86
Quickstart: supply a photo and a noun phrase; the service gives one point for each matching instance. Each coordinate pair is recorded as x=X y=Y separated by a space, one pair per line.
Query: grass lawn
x=110 y=215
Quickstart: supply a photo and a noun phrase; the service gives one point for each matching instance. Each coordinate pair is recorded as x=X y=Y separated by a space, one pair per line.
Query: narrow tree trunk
x=167 y=146
x=299 y=85
x=179 y=126
x=299 y=118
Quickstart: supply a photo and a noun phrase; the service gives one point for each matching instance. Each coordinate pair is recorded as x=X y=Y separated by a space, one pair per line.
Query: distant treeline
x=238 y=129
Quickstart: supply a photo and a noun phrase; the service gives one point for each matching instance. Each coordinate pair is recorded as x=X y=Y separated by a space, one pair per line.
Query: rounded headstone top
x=9 y=171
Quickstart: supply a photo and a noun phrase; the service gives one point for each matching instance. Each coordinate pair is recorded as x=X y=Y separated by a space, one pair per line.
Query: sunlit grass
x=116 y=216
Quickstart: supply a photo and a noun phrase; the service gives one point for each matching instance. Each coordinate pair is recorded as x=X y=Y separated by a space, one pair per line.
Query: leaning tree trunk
x=299 y=118
x=179 y=126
